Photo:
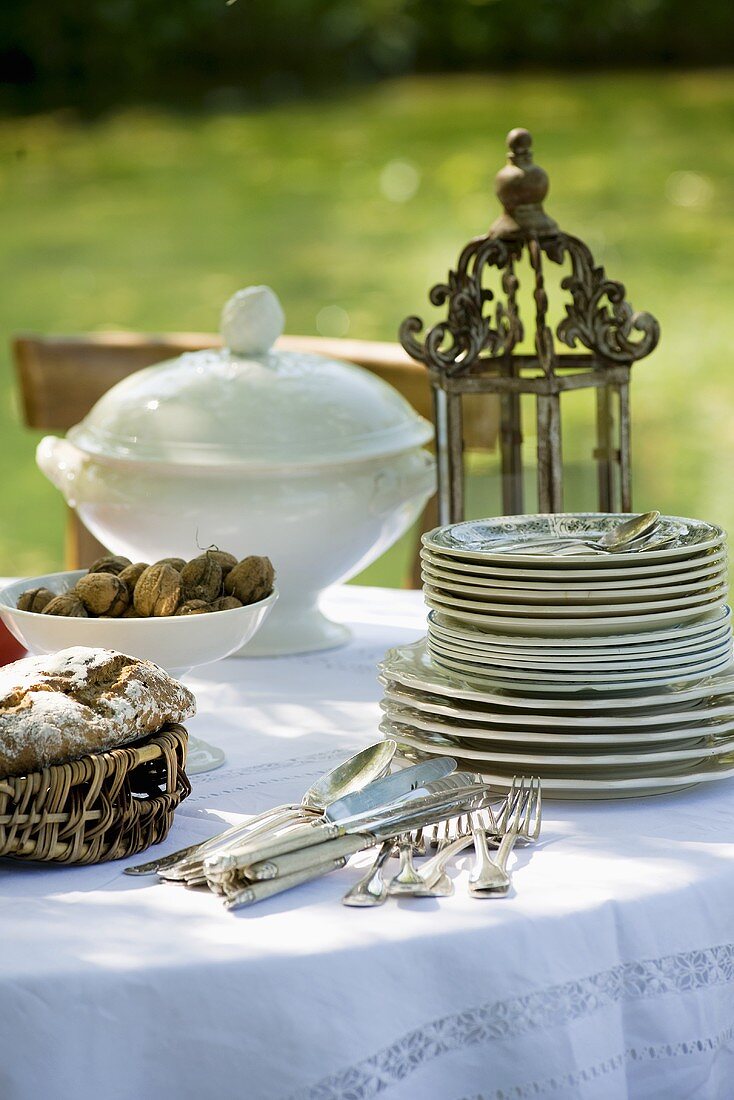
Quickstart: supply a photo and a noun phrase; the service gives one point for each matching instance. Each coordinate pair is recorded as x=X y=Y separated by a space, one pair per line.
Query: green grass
x=149 y=221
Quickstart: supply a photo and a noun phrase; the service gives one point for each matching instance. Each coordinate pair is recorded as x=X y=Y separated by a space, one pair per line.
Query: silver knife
x=440 y=798
x=364 y=832
x=379 y=792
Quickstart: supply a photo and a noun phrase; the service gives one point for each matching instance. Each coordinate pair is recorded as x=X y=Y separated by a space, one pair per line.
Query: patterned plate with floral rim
x=482 y=539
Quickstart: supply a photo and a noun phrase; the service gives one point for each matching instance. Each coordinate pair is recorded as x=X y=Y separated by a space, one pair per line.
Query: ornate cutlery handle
x=277 y=825
x=487 y=873
x=407 y=874
x=493 y=889
x=371 y=889
x=301 y=836
x=433 y=868
x=258 y=891
x=290 y=862
x=152 y=867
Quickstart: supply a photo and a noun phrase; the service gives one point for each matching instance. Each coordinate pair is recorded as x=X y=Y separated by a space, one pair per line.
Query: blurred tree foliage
x=94 y=54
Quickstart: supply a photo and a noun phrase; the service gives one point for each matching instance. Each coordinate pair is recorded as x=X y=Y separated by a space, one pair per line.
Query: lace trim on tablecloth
x=589 y=1074
x=543 y=1009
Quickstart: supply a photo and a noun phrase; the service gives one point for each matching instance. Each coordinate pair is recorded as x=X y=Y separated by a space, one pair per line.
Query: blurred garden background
x=155 y=158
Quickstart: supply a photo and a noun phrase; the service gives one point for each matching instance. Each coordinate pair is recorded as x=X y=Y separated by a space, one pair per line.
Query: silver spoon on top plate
x=619 y=538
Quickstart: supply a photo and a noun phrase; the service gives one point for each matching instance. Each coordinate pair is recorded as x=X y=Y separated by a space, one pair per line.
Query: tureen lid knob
x=252 y=320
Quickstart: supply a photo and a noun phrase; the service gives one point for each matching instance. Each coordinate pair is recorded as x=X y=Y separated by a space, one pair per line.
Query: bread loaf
x=62 y=706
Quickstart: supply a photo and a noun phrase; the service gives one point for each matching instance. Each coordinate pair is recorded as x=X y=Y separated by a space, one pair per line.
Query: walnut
x=158 y=591
x=103 y=594
x=130 y=613
x=177 y=563
x=34 y=599
x=131 y=574
x=68 y=604
x=110 y=563
x=226 y=603
x=195 y=607
x=251 y=579
x=202 y=578
x=226 y=561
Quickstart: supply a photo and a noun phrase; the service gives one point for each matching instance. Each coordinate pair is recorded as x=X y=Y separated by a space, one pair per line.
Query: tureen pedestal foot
x=200 y=755
x=295 y=628
x=203 y=757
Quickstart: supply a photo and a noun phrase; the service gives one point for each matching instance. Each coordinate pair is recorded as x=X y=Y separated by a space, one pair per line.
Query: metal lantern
x=473 y=350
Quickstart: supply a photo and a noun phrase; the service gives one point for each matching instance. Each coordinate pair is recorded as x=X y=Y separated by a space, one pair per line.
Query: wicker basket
x=107 y=805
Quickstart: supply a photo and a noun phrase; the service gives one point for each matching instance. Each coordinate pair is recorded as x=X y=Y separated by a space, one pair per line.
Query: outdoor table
x=608 y=972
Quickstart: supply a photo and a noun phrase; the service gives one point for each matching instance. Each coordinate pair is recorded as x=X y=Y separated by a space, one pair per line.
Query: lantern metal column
x=475 y=349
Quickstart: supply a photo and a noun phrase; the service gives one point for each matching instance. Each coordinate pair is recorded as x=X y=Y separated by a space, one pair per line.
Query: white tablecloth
x=609 y=973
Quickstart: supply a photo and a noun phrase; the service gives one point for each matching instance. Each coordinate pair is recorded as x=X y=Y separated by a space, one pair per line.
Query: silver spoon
x=627 y=531
x=619 y=537
x=351 y=775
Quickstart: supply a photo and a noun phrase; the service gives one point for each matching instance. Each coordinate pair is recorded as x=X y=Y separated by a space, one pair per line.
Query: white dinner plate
x=599 y=626
x=561 y=595
x=533 y=663
x=482 y=539
x=540 y=763
x=412 y=665
x=598 y=788
x=679 y=634
x=524 y=573
x=525 y=580
x=574 y=682
x=675 y=716
x=535 y=668
x=579 y=609
x=553 y=740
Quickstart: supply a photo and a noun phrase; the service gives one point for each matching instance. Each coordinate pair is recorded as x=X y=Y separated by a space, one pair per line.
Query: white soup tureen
x=317 y=463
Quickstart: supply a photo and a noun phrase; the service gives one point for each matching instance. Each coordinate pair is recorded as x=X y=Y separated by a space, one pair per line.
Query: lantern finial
x=521 y=187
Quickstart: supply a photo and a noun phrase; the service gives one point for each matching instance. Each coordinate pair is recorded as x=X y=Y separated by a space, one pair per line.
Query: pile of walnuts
x=117 y=588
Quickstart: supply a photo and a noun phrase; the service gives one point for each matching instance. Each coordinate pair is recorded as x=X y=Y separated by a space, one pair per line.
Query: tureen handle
x=252 y=320
x=60 y=461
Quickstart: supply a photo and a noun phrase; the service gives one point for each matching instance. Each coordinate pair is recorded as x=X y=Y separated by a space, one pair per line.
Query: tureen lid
x=251 y=404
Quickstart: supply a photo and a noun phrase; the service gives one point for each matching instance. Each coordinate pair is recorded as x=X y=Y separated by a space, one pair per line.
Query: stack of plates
x=605 y=674
x=645 y=742
x=584 y=619
x=625 y=662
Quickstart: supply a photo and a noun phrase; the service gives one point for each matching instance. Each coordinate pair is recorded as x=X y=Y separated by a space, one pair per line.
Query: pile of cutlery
x=354 y=807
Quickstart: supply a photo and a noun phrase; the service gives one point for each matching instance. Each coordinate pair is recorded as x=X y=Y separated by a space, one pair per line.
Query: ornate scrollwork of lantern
x=474 y=351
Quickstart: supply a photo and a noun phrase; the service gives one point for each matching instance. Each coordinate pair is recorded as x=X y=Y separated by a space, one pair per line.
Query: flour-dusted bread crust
x=64 y=705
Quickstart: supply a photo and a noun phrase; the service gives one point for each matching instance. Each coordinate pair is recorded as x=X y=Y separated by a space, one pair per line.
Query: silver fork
x=407 y=874
x=520 y=820
x=371 y=889
x=433 y=882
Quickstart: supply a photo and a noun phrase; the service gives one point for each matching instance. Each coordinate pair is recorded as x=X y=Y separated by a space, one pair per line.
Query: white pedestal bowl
x=177 y=643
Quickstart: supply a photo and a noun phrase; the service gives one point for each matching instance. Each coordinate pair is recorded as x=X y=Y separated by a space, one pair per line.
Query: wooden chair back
x=62 y=377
